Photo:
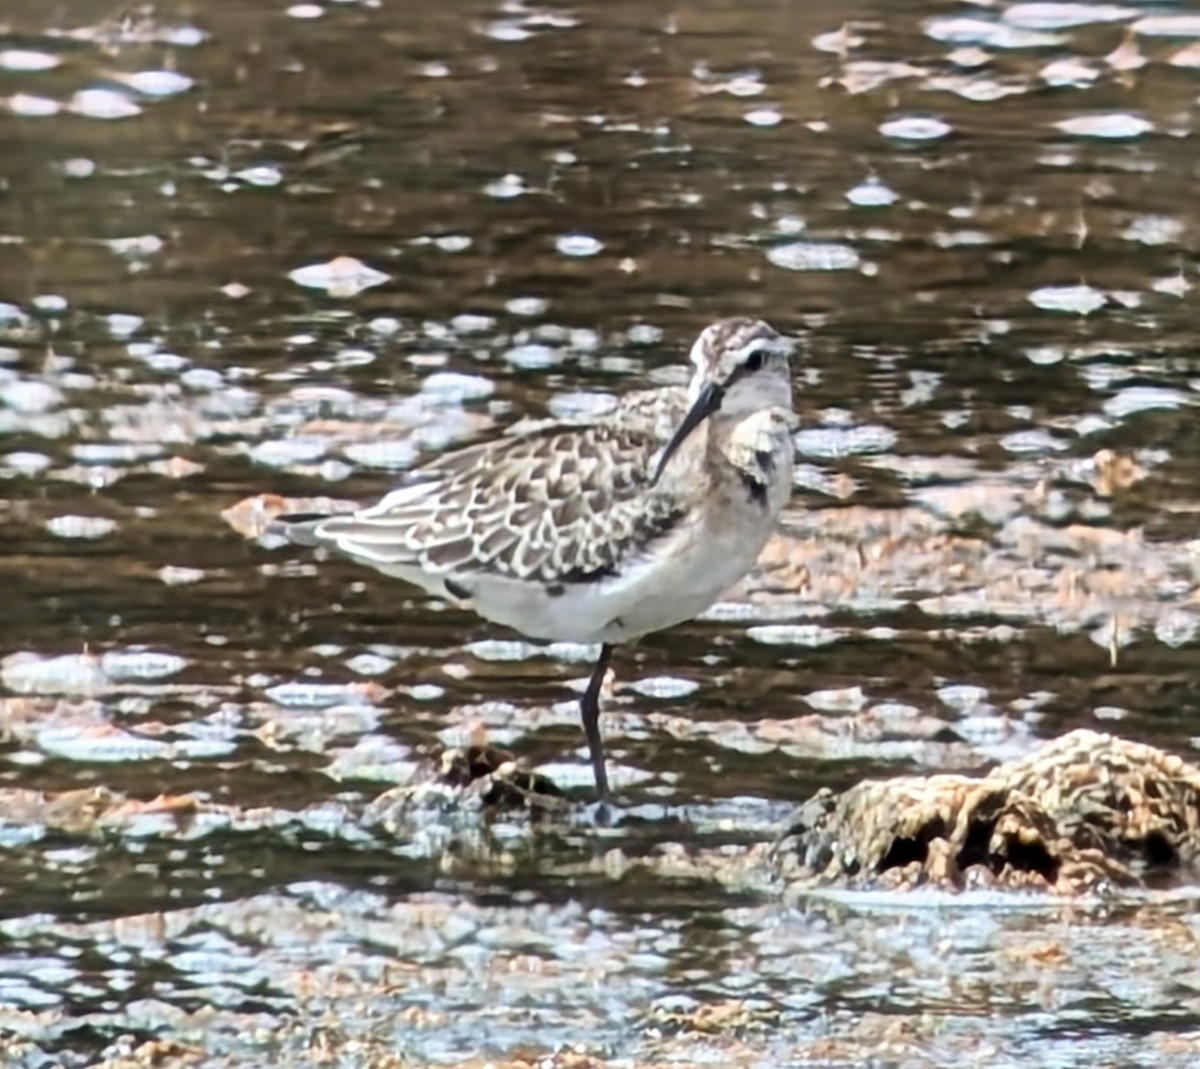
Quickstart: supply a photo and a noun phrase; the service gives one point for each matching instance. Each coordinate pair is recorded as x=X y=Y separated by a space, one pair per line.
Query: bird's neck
x=756 y=449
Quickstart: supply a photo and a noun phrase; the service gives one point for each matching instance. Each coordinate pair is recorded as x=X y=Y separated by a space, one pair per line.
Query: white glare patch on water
x=1168 y=26
x=1154 y=230
x=156 y=83
x=370 y=664
x=968 y=31
x=387 y=455
x=1115 y=125
x=263 y=176
x=78 y=167
x=1033 y=443
x=453 y=387
x=1082 y=300
x=72 y=673
x=353 y=357
x=1110 y=712
x=1126 y=56
x=452 y=242
x=135 y=247
x=578 y=245
x=741 y=85
x=664 y=687
x=343 y=276
x=507 y=30
x=1176 y=628
x=1135 y=399
x=969 y=57
x=572 y=652
x=1069 y=73
x=736 y=612
x=103 y=104
x=769 y=116
x=159 y=361
x=286 y=452
x=872 y=193
x=183 y=36
x=28 y=106
x=100 y=744
x=839 y=42
x=958 y=239
x=527 y=306
x=26 y=463
x=472 y=323
x=27 y=60
x=305 y=11
x=179 y=575
x=500 y=650
x=318 y=695
x=811 y=477
x=122 y=453
x=963 y=697
x=915 y=128
x=832 y=442
x=28 y=395
x=865 y=75
x=511 y=185
x=583 y=340
x=1049 y=16
x=976 y=88
x=384 y=326
x=533 y=356
x=807 y=635
x=1172 y=285
x=84 y=527
x=1045 y=355
x=50 y=303
x=141 y=664
x=644 y=334
x=814 y=256
x=839 y=700
x=1187 y=57
x=581 y=404
x=1102 y=376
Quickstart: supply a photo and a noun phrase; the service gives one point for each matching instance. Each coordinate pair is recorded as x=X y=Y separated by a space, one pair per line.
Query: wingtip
x=300 y=528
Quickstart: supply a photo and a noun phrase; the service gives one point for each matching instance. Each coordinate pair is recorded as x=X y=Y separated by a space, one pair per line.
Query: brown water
x=980 y=219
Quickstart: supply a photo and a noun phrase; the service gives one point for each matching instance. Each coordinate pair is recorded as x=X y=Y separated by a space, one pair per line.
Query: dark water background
x=981 y=219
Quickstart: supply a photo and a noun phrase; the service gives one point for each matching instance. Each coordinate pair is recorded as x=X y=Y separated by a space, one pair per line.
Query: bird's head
x=741 y=366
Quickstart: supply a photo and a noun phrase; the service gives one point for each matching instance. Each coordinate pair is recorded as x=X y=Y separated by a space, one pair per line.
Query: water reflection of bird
x=598 y=532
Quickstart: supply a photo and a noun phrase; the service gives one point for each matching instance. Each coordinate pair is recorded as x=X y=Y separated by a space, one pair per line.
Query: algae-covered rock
x=1086 y=812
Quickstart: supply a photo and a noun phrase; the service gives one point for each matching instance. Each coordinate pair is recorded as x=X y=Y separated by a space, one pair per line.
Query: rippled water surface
x=250 y=248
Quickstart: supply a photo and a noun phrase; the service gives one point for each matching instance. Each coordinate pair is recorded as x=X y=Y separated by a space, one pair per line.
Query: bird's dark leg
x=589 y=708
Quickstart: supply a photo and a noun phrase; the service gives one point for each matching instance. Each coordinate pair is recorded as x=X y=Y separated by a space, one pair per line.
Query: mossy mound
x=1085 y=813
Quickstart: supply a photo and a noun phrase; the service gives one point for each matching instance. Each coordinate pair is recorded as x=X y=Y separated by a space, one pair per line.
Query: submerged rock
x=1085 y=813
x=463 y=791
x=469 y=780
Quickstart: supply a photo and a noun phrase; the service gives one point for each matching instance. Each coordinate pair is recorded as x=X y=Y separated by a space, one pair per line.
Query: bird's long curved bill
x=704 y=406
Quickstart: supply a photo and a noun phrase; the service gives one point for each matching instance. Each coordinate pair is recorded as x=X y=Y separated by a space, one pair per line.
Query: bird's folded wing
x=558 y=504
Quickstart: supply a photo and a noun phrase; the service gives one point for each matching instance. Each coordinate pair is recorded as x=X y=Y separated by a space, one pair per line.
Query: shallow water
x=980 y=221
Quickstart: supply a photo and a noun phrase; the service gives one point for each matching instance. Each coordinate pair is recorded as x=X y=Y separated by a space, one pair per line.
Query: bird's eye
x=754 y=361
